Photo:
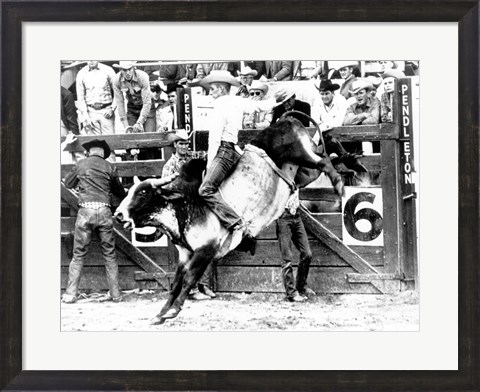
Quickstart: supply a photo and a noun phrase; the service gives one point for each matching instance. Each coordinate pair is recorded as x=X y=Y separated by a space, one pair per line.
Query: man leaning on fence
x=96 y=181
x=136 y=86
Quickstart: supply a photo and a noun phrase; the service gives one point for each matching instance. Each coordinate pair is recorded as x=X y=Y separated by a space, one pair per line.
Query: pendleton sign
x=406 y=132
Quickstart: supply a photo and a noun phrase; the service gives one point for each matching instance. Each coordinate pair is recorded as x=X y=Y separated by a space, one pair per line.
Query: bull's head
x=145 y=202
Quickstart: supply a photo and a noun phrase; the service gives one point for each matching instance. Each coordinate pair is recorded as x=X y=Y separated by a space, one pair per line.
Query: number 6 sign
x=362 y=222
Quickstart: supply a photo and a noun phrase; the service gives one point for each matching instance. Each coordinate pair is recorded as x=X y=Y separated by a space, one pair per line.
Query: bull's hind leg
x=193 y=271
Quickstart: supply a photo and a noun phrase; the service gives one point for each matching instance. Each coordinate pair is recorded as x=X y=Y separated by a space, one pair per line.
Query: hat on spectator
x=375 y=80
x=361 y=84
x=343 y=64
x=180 y=134
x=98 y=143
x=72 y=64
x=220 y=77
x=393 y=73
x=282 y=96
x=125 y=64
x=327 y=85
x=257 y=85
x=247 y=71
x=171 y=87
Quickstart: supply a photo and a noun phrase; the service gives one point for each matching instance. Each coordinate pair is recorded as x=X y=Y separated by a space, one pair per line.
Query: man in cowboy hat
x=173 y=165
x=366 y=109
x=386 y=99
x=246 y=75
x=96 y=180
x=262 y=118
x=286 y=101
x=346 y=70
x=173 y=100
x=331 y=114
x=223 y=151
x=135 y=84
x=95 y=98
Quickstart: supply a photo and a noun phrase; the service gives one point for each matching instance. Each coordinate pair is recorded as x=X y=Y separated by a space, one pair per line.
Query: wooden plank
x=268 y=279
x=365 y=278
x=365 y=133
x=147 y=168
x=335 y=243
x=268 y=254
x=94 y=280
x=125 y=140
x=391 y=198
x=142 y=275
x=319 y=194
x=95 y=258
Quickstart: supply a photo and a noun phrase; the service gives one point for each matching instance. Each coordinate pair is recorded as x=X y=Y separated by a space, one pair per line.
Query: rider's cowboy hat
x=257 y=85
x=361 y=84
x=98 y=143
x=219 y=77
x=180 y=134
x=393 y=73
x=125 y=64
x=282 y=96
x=327 y=85
x=247 y=71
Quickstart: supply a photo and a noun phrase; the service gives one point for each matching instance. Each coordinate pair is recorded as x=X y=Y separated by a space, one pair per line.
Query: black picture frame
x=465 y=13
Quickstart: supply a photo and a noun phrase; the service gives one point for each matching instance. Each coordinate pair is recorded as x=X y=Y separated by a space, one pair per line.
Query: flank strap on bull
x=272 y=164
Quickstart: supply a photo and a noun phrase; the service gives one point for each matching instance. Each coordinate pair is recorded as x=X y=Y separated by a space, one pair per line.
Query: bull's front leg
x=184 y=256
x=193 y=271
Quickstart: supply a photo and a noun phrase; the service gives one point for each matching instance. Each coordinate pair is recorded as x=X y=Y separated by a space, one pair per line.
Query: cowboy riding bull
x=279 y=159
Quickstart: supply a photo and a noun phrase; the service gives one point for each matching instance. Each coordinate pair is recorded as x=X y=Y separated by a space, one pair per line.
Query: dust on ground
x=247 y=312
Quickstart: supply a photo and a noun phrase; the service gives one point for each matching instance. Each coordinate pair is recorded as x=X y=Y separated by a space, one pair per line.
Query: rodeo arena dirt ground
x=247 y=312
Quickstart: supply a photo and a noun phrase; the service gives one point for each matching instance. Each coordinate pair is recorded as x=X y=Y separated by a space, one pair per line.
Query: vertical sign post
x=407 y=183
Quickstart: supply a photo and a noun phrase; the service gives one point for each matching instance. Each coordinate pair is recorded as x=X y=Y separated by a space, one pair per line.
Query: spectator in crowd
x=97 y=181
x=161 y=108
x=136 y=86
x=376 y=81
x=346 y=69
x=279 y=70
x=290 y=230
x=366 y=110
x=258 y=66
x=223 y=151
x=204 y=69
x=309 y=70
x=286 y=101
x=260 y=119
x=332 y=113
x=95 y=98
x=386 y=100
x=387 y=65
x=177 y=73
x=173 y=165
x=68 y=113
x=246 y=78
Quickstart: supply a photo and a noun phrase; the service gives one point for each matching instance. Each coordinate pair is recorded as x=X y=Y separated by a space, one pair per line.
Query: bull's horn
x=136 y=180
x=159 y=182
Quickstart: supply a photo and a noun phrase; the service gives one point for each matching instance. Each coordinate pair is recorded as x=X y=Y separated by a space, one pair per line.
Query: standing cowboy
x=96 y=179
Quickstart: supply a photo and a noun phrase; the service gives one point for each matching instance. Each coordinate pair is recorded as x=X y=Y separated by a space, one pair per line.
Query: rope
x=272 y=164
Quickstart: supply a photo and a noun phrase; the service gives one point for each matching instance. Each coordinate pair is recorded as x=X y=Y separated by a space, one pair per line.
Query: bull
x=277 y=160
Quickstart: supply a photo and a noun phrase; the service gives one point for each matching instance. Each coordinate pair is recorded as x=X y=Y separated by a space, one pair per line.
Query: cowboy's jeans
x=222 y=165
x=290 y=230
x=91 y=220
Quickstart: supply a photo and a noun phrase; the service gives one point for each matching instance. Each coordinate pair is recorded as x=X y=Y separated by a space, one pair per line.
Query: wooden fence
x=338 y=268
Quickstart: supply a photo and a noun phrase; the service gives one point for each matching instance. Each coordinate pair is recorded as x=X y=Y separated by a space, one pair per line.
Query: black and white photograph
x=243 y=195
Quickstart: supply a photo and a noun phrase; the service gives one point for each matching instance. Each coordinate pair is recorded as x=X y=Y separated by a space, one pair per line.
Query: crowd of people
x=146 y=101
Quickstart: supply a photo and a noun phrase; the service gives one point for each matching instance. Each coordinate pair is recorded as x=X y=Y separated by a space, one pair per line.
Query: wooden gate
x=338 y=267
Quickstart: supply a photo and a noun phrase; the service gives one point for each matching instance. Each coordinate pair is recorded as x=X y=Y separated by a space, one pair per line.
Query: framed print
x=441 y=352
